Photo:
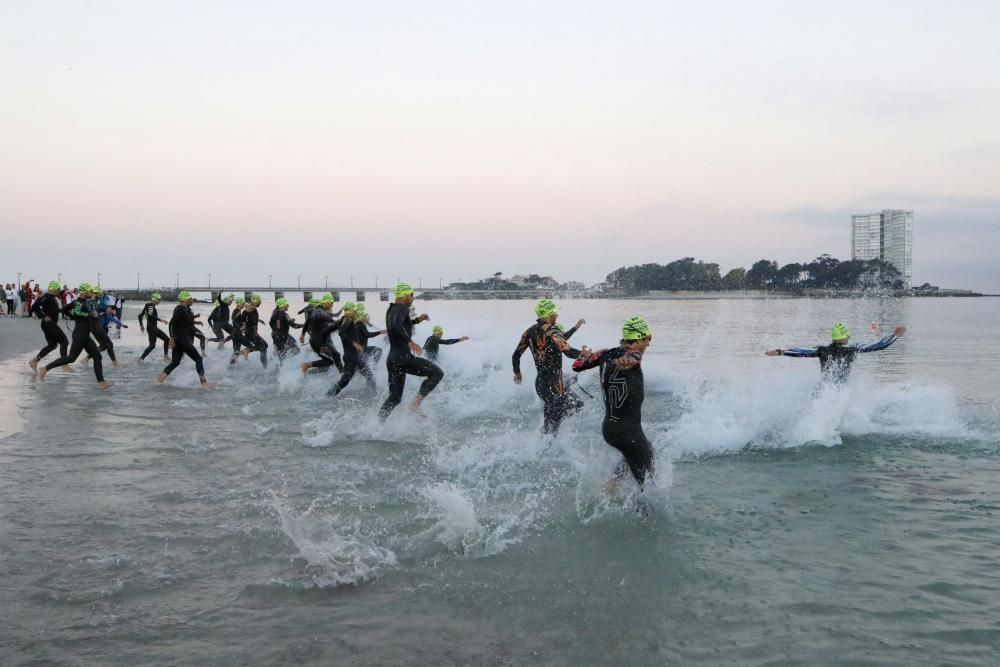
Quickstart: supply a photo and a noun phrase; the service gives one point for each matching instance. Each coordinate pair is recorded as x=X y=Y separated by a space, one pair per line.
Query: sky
x=453 y=140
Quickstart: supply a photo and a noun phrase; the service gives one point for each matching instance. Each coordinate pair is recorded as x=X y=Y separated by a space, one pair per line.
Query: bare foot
x=162 y=378
x=305 y=369
x=415 y=406
x=103 y=385
x=68 y=369
x=204 y=382
x=34 y=365
x=41 y=373
x=117 y=364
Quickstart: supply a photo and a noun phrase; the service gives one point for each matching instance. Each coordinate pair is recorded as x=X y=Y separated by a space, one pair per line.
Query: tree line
x=824 y=272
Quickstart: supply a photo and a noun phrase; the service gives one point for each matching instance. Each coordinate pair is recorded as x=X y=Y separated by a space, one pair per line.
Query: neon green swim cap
x=240 y=301
x=326 y=298
x=839 y=332
x=184 y=296
x=255 y=298
x=403 y=289
x=635 y=328
x=314 y=301
x=438 y=329
x=155 y=296
x=96 y=291
x=360 y=313
x=228 y=300
x=281 y=303
x=53 y=284
x=84 y=287
x=545 y=308
x=350 y=307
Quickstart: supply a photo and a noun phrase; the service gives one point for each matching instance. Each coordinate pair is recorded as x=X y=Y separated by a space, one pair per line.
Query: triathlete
x=182 y=338
x=218 y=320
x=47 y=310
x=402 y=350
x=354 y=335
x=307 y=311
x=431 y=345
x=236 y=335
x=836 y=358
x=252 y=340
x=623 y=389
x=547 y=345
x=321 y=325
x=83 y=311
x=281 y=325
x=151 y=327
x=100 y=330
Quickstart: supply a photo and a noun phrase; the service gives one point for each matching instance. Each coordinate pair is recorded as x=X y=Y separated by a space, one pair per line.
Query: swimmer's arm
x=565 y=347
x=522 y=346
x=794 y=352
x=884 y=343
x=585 y=363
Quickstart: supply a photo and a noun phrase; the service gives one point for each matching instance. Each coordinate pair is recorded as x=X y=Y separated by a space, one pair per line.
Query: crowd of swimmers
x=236 y=321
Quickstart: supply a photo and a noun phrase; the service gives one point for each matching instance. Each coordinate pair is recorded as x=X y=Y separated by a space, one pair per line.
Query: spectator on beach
x=14 y=296
x=9 y=293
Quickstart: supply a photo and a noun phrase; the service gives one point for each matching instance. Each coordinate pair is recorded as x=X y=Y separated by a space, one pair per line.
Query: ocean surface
x=261 y=522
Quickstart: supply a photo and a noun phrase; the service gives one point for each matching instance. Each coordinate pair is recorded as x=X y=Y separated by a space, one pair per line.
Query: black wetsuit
x=307 y=311
x=153 y=330
x=251 y=338
x=835 y=360
x=623 y=390
x=47 y=308
x=321 y=325
x=236 y=335
x=546 y=343
x=281 y=325
x=182 y=331
x=218 y=320
x=351 y=333
x=401 y=362
x=104 y=343
x=432 y=343
x=83 y=313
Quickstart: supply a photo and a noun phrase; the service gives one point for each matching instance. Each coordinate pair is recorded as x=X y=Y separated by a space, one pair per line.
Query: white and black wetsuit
x=48 y=306
x=401 y=362
x=182 y=331
x=548 y=345
x=624 y=391
x=835 y=360
x=83 y=312
x=153 y=330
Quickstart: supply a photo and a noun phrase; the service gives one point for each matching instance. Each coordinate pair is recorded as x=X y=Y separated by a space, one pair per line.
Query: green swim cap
x=314 y=301
x=545 y=308
x=326 y=298
x=228 y=300
x=281 y=303
x=184 y=296
x=438 y=329
x=839 y=332
x=635 y=328
x=360 y=313
x=85 y=287
x=96 y=290
x=403 y=289
x=154 y=296
x=255 y=298
x=240 y=301
x=53 y=284
x=350 y=307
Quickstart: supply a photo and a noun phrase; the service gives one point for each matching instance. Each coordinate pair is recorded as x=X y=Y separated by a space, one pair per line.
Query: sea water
x=262 y=522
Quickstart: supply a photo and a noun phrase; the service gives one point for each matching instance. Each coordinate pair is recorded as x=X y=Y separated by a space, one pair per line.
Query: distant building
x=887 y=235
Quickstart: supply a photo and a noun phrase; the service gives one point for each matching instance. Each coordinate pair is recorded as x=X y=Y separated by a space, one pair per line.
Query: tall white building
x=887 y=235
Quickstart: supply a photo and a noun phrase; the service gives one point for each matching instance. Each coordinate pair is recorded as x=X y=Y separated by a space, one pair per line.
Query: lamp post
x=299 y=278
x=177 y=281
x=376 y=280
x=440 y=283
x=420 y=283
x=210 y=282
x=98 y=278
x=352 y=282
x=18 y=280
x=269 y=281
x=326 y=282
x=137 y=277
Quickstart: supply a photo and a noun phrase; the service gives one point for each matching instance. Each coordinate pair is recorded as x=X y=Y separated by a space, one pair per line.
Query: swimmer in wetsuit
x=83 y=312
x=624 y=389
x=236 y=335
x=182 y=338
x=251 y=339
x=402 y=360
x=281 y=325
x=835 y=359
x=218 y=320
x=431 y=345
x=47 y=310
x=547 y=345
x=307 y=311
x=321 y=325
x=100 y=328
x=151 y=327
x=354 y=335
